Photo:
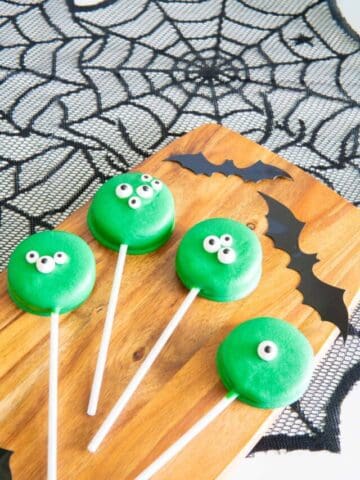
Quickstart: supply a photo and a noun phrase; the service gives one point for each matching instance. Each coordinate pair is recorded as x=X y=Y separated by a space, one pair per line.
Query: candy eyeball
x=124 y=190
x=226 y=255
x=45 y=264
x=32 y=256
x=226 y=240
x=134 y=202
x=157 y=185
x=146 y=177
x=145 y=191
x=267 y=350
x=211 y=244
x=60 y=258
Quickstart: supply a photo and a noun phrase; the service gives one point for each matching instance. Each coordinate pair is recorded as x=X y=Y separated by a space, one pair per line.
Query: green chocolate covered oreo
x=51 y=271
x=267 y=362
x=132 y=209
x=221 y=257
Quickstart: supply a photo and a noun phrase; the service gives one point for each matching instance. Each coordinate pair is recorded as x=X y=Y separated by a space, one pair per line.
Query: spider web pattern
x=88 y=92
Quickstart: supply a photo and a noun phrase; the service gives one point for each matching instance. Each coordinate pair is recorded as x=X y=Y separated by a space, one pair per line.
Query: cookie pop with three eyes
x=51 y=273
x=264 y=362
x=131 y=213
x=219 y=259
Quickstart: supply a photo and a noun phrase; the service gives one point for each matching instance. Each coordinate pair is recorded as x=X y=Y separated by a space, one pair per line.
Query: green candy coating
x=113 y=222
x=221 y=282
x=260 y=383
x=60 y=290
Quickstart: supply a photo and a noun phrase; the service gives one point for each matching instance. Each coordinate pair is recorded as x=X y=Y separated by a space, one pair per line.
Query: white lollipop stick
x=181 y=443
x=53 y=397
x=106 y=336
x=142 y=371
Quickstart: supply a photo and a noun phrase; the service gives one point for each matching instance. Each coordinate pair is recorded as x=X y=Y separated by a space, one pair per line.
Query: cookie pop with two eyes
x=219 y=259
x=264 y=362
x=131 y=213
x=51 y=273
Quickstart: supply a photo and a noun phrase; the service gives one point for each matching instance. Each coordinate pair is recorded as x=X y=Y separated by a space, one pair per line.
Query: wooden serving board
x=183 y=383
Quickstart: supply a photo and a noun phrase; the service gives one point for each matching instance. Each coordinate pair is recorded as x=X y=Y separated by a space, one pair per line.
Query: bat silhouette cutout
x=5 y=473
x=199 y=164
x=284 y=229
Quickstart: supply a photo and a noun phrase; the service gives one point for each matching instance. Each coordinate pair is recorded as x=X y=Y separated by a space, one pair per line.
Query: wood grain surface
x=183 y=384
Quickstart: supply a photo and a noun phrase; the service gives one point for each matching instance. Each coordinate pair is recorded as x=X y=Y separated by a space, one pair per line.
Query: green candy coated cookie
x=132 y=209
x=51 y=271
x=267 y=362
x=221 y=257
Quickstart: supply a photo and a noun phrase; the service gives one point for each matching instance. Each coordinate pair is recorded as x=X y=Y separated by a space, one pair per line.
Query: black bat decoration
x=199 y=164
x=5 y=473
x=284 y=229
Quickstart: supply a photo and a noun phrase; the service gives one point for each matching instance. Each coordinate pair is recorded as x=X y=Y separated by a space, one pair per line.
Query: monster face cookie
x=266 y=362
x=132 y=209
x=131 y=213
x=51 y=272
x=220 y=257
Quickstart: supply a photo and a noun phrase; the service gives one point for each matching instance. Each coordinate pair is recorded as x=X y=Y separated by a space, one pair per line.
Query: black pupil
x=123 y=187
x=267 y=349
x=226 y=251
x=211 y=241
x=133 y=201
x=44 y=260
x=59 y=255
x=145 y=188
x=227 y=238
x=32 y=255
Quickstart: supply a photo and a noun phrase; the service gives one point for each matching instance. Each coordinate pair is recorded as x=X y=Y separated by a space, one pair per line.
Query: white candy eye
x=157 y=185
x=211 y=244
x=60 y=258
x=134 y=202
x=267 y=350
x=32 y=256
x=226 y=255
x=145 y=191
x=226 y=240
x=146 y=177
x=124 y=190
x=45 y=264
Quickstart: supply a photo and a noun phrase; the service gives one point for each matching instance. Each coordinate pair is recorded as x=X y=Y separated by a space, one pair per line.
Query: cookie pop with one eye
x=131 y=213
x=264 y=362
x=51 y=273
x=219 y=259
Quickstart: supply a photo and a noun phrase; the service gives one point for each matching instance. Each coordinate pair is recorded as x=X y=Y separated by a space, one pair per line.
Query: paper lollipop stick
x=106 y=336
x=131 y=213
x=265 y=362
x=53 y=396
x=219 y=259
x=181 y=443
x=51 y=273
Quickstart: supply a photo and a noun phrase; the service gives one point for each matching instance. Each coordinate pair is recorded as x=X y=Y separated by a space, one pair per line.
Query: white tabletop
x=302 y=465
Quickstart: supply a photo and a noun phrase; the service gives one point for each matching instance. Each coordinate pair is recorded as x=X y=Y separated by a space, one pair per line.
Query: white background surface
x=303 y=465
x=350 y=10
